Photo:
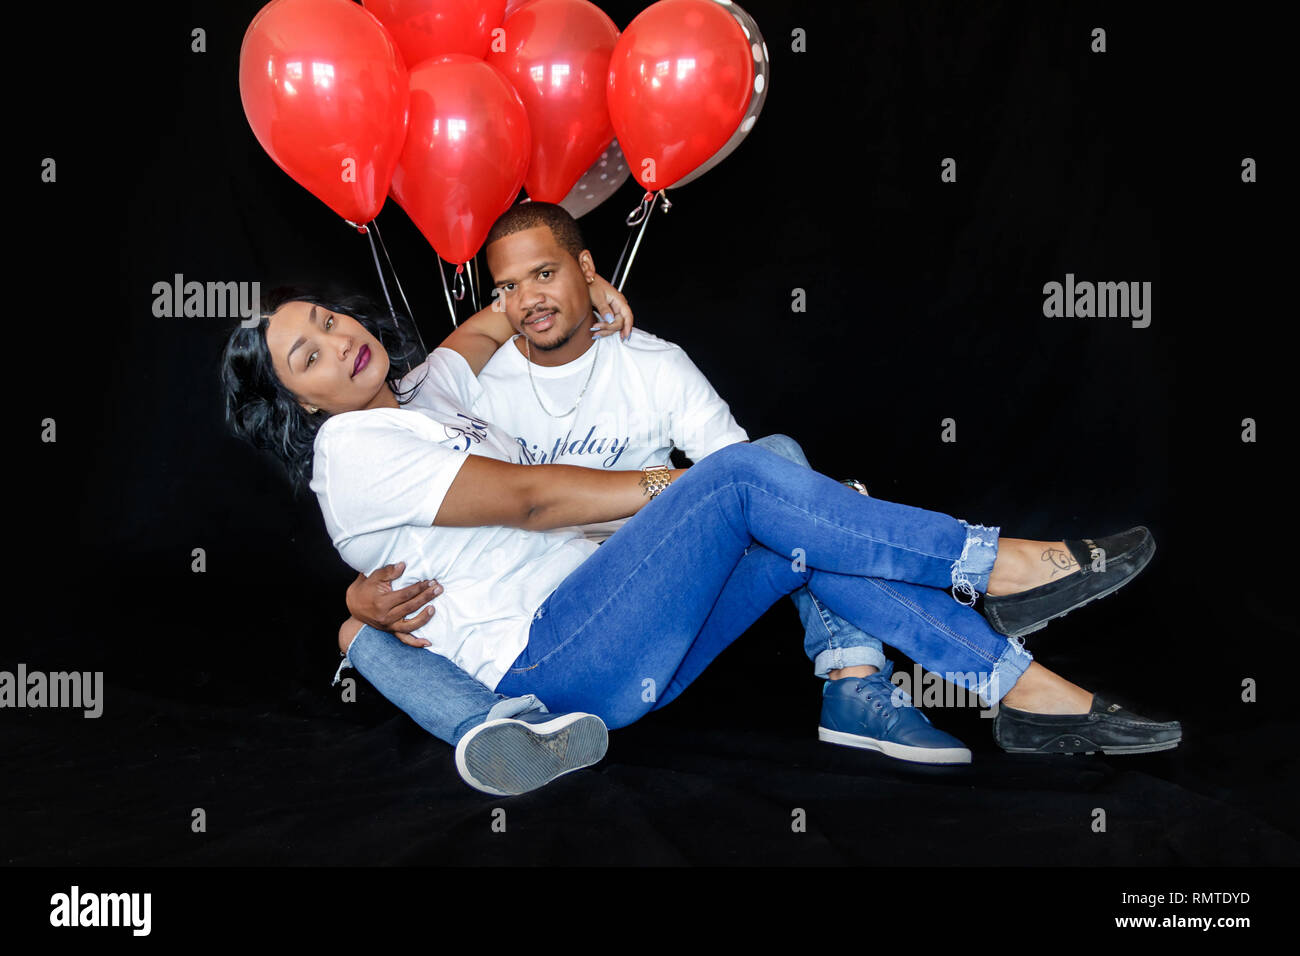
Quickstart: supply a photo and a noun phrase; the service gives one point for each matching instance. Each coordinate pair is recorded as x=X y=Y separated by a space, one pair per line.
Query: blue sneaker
x=512 y=755
x=862 y=712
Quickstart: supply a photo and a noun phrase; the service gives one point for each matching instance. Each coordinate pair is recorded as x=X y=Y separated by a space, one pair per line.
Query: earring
x=312 y=409
x=590 y=280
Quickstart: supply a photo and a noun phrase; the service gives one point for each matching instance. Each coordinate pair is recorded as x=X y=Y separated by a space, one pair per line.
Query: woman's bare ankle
x=1039 y=691
x=1023 y=564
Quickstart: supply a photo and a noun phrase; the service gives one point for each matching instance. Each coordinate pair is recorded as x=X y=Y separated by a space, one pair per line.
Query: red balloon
x=557 y=56
x=679 y=83
x=465 y=155
x=324 y=89
x=429 y=28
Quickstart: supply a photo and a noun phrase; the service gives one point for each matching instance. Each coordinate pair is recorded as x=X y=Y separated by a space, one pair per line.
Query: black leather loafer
x=1106 y=727
x=1125 y=554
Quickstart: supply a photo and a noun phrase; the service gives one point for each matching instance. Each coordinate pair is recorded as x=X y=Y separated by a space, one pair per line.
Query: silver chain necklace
x=538 y=396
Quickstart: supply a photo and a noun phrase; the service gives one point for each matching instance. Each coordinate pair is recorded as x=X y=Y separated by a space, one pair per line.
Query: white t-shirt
x=645 y=396
x=381 y=475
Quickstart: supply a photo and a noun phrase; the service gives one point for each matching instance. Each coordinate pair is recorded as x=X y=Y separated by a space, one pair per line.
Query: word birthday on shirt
x=465 y=436
x=566 y=447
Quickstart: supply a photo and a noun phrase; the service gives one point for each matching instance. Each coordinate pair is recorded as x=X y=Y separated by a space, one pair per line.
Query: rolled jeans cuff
x=515 y=706
x=505 y=707
x=833 y=658
x=971 y=571
x=1013 y=662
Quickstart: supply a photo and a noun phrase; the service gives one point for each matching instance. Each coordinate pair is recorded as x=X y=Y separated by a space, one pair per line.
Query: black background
x=924 y=301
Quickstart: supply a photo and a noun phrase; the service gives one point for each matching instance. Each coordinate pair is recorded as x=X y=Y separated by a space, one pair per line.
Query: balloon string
x=621 y=256
x=642 y=209
x=400 y=291
x=446 y=292
x=380 y=272
x=472 y=267
x=635 y=216
x=645 y=221
x=458 y=283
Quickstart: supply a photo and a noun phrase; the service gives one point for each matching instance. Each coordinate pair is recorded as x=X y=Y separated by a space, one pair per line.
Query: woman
x=622 y=630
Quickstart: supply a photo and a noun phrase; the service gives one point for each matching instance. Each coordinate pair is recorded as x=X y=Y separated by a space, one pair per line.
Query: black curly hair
x=262 y=411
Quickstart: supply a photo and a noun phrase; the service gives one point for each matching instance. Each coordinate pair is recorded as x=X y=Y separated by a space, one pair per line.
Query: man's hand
x=373 y=601
x=608 y=301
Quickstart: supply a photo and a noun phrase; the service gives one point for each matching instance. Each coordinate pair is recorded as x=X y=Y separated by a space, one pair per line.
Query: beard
x=558 y=343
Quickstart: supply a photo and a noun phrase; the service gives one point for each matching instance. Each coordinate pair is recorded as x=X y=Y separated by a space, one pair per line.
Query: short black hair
x=263 y=412
x=530 y=215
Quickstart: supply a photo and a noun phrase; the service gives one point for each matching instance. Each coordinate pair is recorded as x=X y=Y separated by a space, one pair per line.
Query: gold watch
x=655 y=478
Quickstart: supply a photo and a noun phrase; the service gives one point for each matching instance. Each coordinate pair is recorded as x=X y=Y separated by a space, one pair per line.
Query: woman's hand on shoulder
x=613 y=308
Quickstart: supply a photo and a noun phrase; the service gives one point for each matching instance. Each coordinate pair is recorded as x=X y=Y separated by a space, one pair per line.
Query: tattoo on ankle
x=1061 y=561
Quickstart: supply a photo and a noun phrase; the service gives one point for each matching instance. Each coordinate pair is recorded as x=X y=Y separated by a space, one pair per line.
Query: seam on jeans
x=820 y=520
x=682 y=519
x=824 y=618
x=931 y=619
x=642 y=564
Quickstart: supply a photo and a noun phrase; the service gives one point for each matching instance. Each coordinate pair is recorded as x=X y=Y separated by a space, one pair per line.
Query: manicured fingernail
x=609 y=316
x=594 y=328
x=437 y=589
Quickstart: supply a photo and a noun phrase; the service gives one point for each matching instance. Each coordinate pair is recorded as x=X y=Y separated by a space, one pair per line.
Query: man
x=622 y=403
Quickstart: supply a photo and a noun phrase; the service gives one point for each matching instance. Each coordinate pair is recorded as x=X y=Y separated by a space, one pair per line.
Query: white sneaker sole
x=897 y=751
x=507 y=757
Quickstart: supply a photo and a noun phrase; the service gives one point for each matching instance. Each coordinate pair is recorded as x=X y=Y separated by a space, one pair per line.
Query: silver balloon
x=598 y=183
x=758 y=94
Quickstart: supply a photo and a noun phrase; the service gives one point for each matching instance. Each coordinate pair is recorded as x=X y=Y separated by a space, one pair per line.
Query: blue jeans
x=637 y=621
x=457 y=702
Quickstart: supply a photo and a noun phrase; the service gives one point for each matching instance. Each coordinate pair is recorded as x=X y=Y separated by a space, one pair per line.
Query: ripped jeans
x=637 y=621
x=447 y=702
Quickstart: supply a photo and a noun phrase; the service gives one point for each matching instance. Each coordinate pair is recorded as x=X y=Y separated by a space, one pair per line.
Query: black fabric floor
x=295 y=776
